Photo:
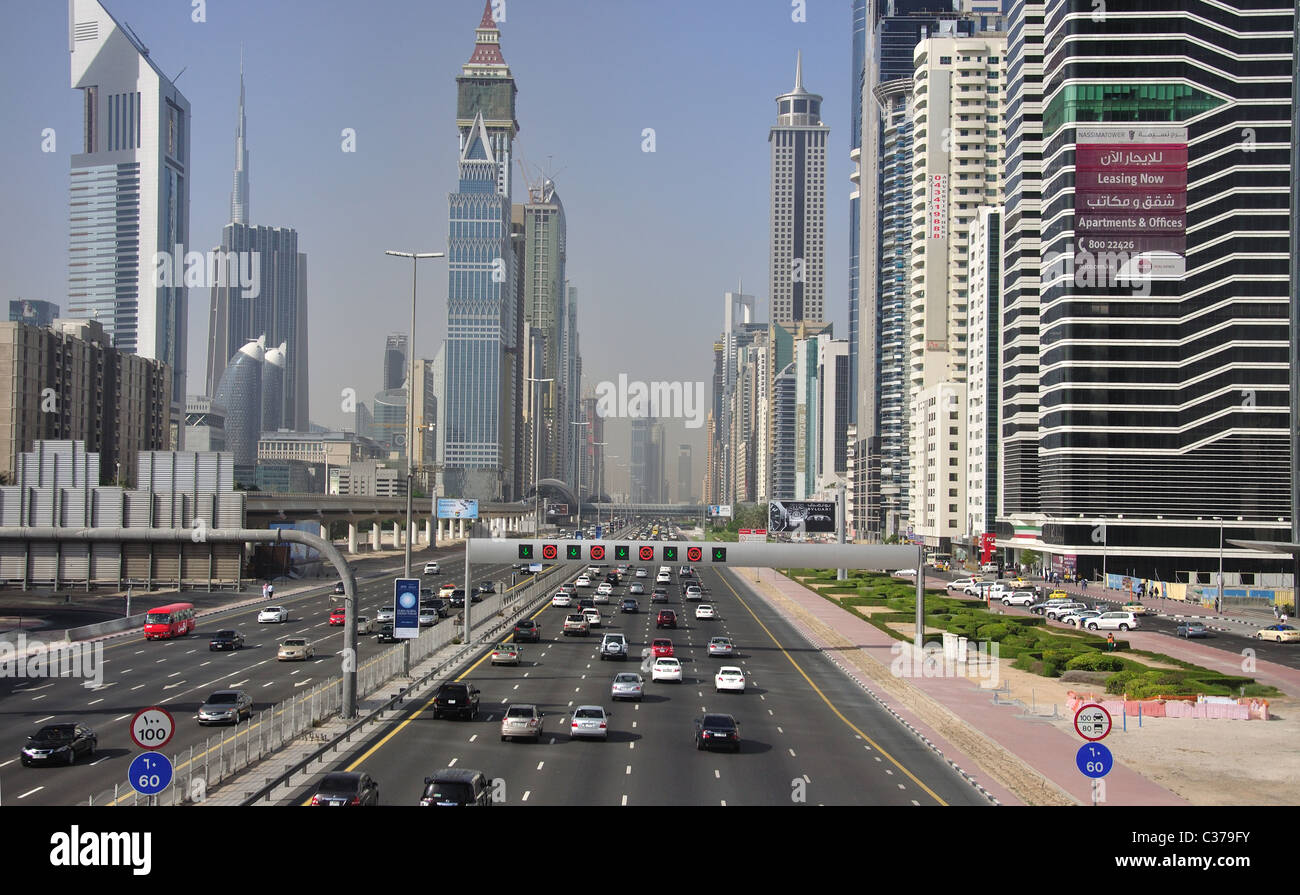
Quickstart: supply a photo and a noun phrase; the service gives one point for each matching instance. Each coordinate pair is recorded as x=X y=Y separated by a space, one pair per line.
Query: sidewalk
x=1019 y=759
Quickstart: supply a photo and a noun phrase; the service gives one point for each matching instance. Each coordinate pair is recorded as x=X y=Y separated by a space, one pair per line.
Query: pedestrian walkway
x=1018 y=760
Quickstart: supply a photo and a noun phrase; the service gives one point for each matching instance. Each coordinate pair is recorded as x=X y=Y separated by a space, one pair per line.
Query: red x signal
x=549 y=551
x=647 y=554
x=597 y=552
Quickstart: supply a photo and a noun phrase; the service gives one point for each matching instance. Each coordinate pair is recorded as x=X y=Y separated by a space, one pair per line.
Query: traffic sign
x=152 y=728
x=550 y=551
x=647 y=554
x=622 y=551
x=525 y=551
x=573 y=551
x=150 y=773
x=694 y=554
x=670 y=554
x=1094 y=760
x=719 y=554
x=1092 y=722
x=406 y=608
x=597 y=552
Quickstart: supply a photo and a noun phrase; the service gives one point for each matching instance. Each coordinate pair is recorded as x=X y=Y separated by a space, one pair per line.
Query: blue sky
x=654 y=238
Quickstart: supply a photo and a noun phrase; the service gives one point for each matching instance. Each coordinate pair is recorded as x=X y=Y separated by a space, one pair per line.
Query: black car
x=612 y=578
x=457 y=786
x=346 y=788
x=586 y=603
x=485 y=587
x=629 y=605
x=338 y=588
x=457 y=599
x=437 y=605
x=62 y=743
x=231 y=640
x=456 y=699
x=386 y=634
x=526 y=629
x=717 y=730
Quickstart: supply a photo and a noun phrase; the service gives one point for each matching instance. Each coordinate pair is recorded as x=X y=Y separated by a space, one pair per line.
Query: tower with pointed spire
x=486 y=88
x=239 y=196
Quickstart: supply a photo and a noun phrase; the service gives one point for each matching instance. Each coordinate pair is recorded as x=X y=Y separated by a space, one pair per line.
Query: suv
x=1020 y=598
x=1041 y=608
x=1112 y=621
x=962 y=583
x=1061 y=609
x=452 y=698
x=666 y=619
x=613 y=646
x=528 y=629
x=457 y=786
x=432 y=568
x=576 y=625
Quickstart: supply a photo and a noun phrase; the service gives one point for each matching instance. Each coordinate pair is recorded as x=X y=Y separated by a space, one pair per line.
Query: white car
x=431 y=568
x=1057 y=612
x=693 y=592
x=1020 y=598
x=1112 y=621
x=729 y=677
x=428 y=616
x=589 y=721
x=642 y=573
x=704 y=610
x=561 y=599
x=666 y=669
x=1078 y=617
x=664 y=578
x=365 y=625
x=384 y=614
x=962 y=583
x=905 y=573
x=592 y=616
x=605 y=588
x=583 y=581
x=273 y=614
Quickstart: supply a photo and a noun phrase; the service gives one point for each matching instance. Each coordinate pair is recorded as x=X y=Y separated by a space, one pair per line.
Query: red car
x=666 y=619
x=338 y=616
x=662 y=646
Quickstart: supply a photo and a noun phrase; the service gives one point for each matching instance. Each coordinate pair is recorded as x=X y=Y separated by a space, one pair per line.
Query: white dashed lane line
x=43 y=720
x=114 y=721
x=526 y=794
x=624 y=802
x=31 y=792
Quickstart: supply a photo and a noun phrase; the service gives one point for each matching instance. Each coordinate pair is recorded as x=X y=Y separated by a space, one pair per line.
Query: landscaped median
x=889 y=604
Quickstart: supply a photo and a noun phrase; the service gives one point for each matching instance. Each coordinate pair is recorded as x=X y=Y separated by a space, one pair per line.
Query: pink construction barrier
x=1240 y=710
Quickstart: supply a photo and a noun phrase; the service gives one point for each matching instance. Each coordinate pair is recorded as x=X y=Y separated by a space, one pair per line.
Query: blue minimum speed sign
x=1094 y=760
x=150 y=773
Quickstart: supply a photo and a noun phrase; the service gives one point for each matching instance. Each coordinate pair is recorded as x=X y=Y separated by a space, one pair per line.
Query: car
x=685 y=572
x=59 y=743
x=231 y=640
x=904 y=573
x=1278 y=634
x=1190 y=630
x=1041 y=608
x=660 y=595
x=721 y=646
x=456 y=599
x=586 y=603
x=522 y=721
x=636 y=588
x=339 y=590
x=437 y=605
x=561 y=599
x=1135 y=608
x=457 y=787
x=365 y=625
x=485 y=587
x=663 y=578
x=613 y=579
x=295 y=649
x=346 y=788
x=1079 y=616
x=1060 y=609
x=977 y=589
x=962 y=583
x=1024 y=598
x=666 y=619
x=387 y=633
x=456 y=698
x=432 y=568
x=583 y=581
x=505 y=654
x=627 y=685
x=666 y=668
x=592 y=614
x=576 y=625
x=630 y=606
x=1112 y=621
x=717 y=730
x=604 y=589
x=384 y=615
x=273 y=614
x=694 y=593
x=225 y=706
x=1059 y=595
x=661 y=646
x=990 y=567
x=528 y=629
x=704 y=610
x=613 y=646
x=446 y=589
x=729 y=677
x=641 y=573
x=589 y=721
x=428 y=616
x=338 y=616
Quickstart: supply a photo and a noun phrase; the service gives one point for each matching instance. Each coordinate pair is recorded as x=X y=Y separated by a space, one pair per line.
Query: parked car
x=627 y=685
x=59 y=743
x=1060 y=609
x=1135 y=608
x=962 y=583
x=346 y=788
x=1278 y=634
x=457 y=787
x=717 y=730
x=1191 y=629
x=456 y=698
x=904 y=573
x=1020 y=598
x=522 y=721
x=1079 y=616
x=1112 y=621
x=226 y=640
x=589 y=721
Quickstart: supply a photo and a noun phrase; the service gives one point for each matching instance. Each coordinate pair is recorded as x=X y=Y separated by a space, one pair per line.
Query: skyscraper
x=686 y=490
x=545 y=235
x=130 y=196
x=395 y=363
x=481 y=326
x=239 y=395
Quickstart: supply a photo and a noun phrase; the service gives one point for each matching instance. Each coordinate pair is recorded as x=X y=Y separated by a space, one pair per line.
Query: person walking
x=266 y=596
x=270 y=590
x=1277 y=613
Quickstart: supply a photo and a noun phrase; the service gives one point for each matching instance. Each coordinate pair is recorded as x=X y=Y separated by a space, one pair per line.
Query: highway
x=810 y=735
x=179 y=675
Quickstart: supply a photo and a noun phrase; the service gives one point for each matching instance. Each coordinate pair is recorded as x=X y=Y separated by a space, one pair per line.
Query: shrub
x=1094 y=661
x=994 y=631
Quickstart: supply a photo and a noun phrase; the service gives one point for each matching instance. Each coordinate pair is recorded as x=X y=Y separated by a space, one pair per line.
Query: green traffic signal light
x=719 y=554
x=574 y=551
x=670 y=554
x=525 y=551
x=622 y=551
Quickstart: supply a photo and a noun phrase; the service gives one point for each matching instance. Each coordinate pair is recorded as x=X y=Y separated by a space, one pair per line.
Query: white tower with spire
x=239 y=197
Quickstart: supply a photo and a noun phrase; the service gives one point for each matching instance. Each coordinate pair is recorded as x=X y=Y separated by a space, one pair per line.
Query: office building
x=32 y=312
x=396 y=366
x=424 y=457
x=239 y=395
x=686 y=490
x=205 y=425
x=546 y=318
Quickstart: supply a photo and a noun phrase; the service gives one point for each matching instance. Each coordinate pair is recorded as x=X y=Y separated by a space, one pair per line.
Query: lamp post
x=595 y=475
x=415 y=257
x=537 y=449
x=1218 y=600
x=577 y=473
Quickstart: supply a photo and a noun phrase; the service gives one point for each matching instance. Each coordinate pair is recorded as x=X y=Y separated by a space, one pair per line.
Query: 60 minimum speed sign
x=152 y=728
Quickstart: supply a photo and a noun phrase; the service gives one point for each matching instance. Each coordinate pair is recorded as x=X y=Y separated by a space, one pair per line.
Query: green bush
x=1094 y=661
x=994 y=631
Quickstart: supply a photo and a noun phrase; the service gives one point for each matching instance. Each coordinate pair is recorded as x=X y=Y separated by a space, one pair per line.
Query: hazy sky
x=654 y=238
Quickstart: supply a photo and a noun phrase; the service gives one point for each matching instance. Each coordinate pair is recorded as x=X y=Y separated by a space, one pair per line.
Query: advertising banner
x=723 y=510
x=812 y=517
x=938 y=206
x=453 y=508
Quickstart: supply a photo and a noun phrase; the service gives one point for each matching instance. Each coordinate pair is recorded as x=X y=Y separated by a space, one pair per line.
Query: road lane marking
x=473 y=738
x=526 y=793
x=539 y=765
x=717 y=775
x=779 y=730
x=133 y=689
x=46 y=718
x=31 y=792
x=94 y=701
x=114 y=721
x=792 y=755
x=42 y=696
x=629 y=770
x=452 y=763
x=624 y=802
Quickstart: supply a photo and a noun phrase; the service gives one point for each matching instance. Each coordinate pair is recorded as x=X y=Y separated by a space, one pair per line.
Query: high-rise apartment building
x=982 y=367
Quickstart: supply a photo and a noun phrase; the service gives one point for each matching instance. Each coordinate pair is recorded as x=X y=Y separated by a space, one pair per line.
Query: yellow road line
x=826 y=700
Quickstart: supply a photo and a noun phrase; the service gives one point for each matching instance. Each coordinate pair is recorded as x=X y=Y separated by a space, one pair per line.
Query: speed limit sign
x=152 y=728
x=1092 y=722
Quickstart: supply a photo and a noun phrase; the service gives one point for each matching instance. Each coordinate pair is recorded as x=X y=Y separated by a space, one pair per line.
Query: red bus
x=172 y=620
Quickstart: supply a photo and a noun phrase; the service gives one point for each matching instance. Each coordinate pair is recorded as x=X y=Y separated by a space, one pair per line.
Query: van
x=990 y=567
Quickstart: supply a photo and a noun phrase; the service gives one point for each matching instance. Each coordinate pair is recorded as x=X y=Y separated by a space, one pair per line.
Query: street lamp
x=416 y=258
x=596 y=475
x=1218 y=601
x=577 y=473
x=537 y=449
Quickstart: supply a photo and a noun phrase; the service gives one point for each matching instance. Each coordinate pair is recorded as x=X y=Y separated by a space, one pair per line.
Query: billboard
x=454 y=508
x=720 y=510
x=1130 y=200
x=557 y=509
x=810 y=516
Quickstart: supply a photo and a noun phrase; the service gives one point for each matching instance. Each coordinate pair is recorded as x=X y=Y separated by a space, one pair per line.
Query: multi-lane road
x=809 y=734
x=179 y=674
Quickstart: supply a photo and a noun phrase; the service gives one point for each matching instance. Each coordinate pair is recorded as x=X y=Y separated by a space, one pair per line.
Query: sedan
x=605 y=589
x=227 y=706
x=561 y=599
x=627 y=685
x=338 y=616
x=636 y=588
x=1080 y=617
x=346 y=788
x=338 y=589
x=721 y=646
x=729 y=677
x=904 y=573
x=485 y=587
x=522 y=721
x=629 y=605
x=661 y=646
x=384 y=615
x=428 y=616
x=717 y=730
x=1278 y=634
x=59 y=742
x=231 y=640
x=704 y=610
x=273 y=614
x=505 y=654
x=666 y=669
x=589 y=721
x=642 y=573
x=583 y=581
x=295 y=649
x=1190 y=630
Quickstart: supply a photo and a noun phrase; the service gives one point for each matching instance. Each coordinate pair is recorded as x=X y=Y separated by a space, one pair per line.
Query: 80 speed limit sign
x=152 y=728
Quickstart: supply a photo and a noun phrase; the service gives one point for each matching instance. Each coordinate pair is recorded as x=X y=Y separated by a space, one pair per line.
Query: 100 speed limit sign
x=152 y=728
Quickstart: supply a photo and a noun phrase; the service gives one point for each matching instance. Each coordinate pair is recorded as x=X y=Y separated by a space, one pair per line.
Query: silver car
x=522 y=721
x=721 y=646
x=226 y=706
x=627 y=685
x=383 y=614
x=636 y=588
x=589 y=721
